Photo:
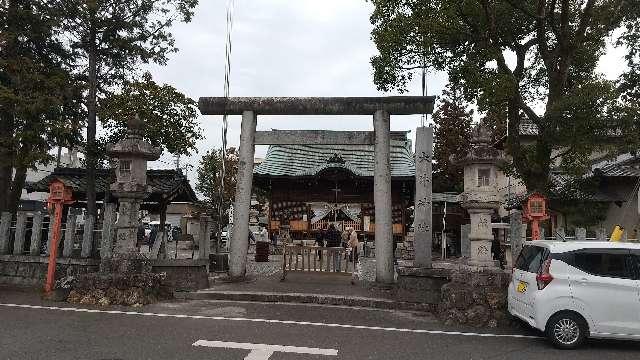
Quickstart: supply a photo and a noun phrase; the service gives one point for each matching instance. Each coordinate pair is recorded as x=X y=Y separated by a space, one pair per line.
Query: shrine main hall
x=310 y=186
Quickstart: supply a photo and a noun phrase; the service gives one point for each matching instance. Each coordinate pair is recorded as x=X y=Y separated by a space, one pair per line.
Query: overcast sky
x=287 y=48
x=280 y=48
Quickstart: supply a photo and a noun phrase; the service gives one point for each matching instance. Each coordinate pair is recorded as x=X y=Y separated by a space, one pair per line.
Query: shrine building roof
x=312 y=160
x=166 y=185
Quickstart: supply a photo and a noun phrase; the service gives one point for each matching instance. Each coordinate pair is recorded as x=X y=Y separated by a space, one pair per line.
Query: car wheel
x=566 y=330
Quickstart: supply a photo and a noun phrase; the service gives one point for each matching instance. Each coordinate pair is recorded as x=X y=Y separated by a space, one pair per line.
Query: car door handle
x=583 y=280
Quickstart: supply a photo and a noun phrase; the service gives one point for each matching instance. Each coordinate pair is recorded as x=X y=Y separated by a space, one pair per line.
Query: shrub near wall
x=114 y=289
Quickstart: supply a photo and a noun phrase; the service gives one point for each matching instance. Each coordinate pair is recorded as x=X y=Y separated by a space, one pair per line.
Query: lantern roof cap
x=134 y=146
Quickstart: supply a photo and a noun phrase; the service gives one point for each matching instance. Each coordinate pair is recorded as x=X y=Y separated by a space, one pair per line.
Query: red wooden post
x=59 y=195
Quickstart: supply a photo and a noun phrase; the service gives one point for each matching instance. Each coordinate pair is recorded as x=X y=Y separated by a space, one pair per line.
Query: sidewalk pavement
x=264 y=284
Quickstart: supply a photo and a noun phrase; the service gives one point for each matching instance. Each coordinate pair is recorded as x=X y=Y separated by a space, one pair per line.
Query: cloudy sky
x=287 y=48
x=280 y=48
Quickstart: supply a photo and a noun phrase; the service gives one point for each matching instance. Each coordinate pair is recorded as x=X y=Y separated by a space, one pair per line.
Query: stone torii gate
x=381 y=108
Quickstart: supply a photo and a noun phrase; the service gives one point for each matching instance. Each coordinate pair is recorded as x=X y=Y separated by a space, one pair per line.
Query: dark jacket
x=333 y=238
x=320 y=235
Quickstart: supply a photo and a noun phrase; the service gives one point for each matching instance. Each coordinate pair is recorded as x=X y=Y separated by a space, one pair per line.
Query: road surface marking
x=264 y=351
x=269 y=321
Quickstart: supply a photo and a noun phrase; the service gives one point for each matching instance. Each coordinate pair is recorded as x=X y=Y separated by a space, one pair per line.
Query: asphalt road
x=31 y=329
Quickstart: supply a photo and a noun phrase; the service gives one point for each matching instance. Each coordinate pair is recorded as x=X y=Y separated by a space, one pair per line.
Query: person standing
x=353 y=244
x=140 y=236
x=320 y=235
x=152 y=236
x=333 y=241
x=264 y=234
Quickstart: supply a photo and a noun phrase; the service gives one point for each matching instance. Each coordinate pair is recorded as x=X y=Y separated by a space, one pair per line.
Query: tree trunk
x=91 y=120
x=7 y=123
x=16 y=189
x=58 y=156
x=6 y=158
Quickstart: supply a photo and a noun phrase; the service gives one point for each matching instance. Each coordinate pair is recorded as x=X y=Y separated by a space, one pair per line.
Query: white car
x=576 y=290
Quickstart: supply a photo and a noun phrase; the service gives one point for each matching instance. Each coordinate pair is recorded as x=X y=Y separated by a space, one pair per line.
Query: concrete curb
x=304 y=298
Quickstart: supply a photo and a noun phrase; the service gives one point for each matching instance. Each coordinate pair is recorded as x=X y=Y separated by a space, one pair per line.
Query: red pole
x=535 y=230
x=53 y=250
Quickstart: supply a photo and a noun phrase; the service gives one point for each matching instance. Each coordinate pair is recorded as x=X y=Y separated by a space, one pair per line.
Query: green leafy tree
x=170 y=117
x=209 y=181
x=112 y=37
x=452 y=135
x=37 y=93
x=534 y=60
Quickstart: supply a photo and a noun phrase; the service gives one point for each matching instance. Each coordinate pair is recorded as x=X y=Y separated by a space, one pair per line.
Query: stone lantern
x=480 y=196
x=130 y=186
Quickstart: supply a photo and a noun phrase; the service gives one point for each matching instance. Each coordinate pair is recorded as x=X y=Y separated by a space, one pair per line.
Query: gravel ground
x=264 y=269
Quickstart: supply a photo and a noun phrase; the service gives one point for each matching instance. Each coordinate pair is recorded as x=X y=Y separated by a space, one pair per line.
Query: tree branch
x=585 y=19
x=541 y=34
x=521 y=53
x=517 y=4
x=551 y=17
x=502 y=64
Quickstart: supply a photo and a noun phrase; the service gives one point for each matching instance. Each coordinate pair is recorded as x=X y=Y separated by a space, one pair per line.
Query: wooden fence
x=314 y=259
x=323 y=224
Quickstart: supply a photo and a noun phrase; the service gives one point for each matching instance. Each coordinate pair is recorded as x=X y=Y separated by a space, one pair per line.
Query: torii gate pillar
x=240 y=237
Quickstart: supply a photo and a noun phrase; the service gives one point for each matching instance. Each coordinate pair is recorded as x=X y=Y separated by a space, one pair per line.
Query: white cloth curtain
x=352 y=211
x=322 y=209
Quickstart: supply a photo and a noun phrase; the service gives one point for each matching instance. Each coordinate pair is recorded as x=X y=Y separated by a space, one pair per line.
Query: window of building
x=484 y=176
x=125 y=168
x=536 y=207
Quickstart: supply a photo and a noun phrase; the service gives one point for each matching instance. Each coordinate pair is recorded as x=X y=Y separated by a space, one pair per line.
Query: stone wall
x=32 y=270
x=26 y=270
x=184 y=275
x=421 y=285
x=459 y=295
x=475 y=297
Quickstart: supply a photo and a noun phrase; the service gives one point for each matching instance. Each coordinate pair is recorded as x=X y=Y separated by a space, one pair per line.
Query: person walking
x=353 y=244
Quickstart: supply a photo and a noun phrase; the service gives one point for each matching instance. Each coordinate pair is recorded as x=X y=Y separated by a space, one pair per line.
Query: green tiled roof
x=310 y=160
x=165 y=184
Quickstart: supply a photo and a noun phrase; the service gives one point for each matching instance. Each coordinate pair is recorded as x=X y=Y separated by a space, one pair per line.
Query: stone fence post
x=21 y=225
x=69 y=234
x=581 y=234
x=87 y=236
x=36 y=234
x=109 y=221
x=465 y=243
x=5 y=232
x=516 y=234
x=204 y=247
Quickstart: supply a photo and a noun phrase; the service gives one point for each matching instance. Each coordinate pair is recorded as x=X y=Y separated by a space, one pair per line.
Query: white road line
x=269 y=321
x=264 y=351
